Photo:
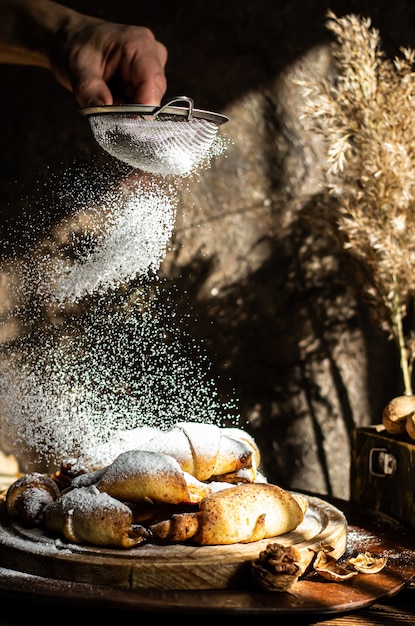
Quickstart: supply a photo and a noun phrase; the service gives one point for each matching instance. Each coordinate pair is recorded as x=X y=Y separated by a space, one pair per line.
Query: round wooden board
x=167 y=567
x=22 y=594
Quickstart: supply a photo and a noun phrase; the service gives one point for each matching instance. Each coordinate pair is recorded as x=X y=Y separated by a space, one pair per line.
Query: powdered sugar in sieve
x=159 y=140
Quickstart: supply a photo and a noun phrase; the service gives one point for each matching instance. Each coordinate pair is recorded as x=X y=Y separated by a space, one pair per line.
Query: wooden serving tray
x=167 y=567
x=22 y=594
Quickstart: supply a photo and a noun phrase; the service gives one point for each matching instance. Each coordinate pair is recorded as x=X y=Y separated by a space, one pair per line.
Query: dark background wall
x=275 y=301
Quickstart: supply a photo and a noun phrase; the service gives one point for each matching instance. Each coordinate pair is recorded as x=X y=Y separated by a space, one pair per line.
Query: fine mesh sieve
x=169 y=139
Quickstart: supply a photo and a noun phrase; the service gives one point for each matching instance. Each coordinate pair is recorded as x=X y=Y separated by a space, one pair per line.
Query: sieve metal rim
x=169 y=109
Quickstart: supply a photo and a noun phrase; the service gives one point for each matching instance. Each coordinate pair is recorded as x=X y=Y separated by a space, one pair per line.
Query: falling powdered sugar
x=121 y=358
x=133 y=243
x=67 y=391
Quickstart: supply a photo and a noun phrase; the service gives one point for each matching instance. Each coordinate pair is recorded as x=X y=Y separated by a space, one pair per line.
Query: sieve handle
x=186 y=99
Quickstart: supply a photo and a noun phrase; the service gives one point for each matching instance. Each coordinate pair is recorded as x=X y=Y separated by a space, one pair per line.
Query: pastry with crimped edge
x=194 y=483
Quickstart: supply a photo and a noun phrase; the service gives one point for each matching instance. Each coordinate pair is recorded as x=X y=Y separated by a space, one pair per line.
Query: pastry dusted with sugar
x=28 y=495
x=138 y=475
x=85 y=515
x=205 y=451
x=240 y=514
x=194 y=483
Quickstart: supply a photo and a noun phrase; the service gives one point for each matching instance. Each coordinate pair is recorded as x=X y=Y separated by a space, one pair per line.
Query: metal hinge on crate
x=381 y=462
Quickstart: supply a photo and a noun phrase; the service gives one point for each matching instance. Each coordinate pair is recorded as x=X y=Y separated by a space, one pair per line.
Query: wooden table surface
x=24 y=605
x=18 y=611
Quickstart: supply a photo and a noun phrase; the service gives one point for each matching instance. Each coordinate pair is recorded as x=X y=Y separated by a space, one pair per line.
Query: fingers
x=149 y=84
x=105 y=63
x=93 y=92
x=122 y=64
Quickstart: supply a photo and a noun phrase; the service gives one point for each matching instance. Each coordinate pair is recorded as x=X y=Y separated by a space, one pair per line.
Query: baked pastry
x=138 y=474
x=205 y=451
x=28 y=495
x=240 y=514
x=194 y=482
x=85 y=515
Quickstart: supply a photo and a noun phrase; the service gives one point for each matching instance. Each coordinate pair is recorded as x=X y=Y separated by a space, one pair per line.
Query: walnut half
x=278 y=567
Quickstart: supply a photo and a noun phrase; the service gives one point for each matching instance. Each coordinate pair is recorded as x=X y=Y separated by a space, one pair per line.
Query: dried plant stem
x=400 y=338
x=364 y=109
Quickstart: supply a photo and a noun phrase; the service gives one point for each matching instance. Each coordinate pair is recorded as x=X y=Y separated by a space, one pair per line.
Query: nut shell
x=368 y=563
x=328 y=567
x=396 y=413
x=272 y=582
x=410 y=426
x=278 y=567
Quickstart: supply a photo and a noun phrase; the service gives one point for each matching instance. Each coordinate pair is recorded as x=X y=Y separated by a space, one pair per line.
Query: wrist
x=29 y=29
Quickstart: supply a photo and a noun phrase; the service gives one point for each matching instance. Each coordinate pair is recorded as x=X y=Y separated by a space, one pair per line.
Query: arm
x=100 y=62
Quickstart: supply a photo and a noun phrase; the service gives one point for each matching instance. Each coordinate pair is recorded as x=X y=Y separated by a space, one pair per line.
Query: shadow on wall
x=292 y=339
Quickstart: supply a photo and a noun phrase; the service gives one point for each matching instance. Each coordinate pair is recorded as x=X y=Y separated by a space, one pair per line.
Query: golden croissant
x=240 y=514
x=85 y=515
x=205 y=451
x=28 y=495
x=194 y=483
x=138 y=475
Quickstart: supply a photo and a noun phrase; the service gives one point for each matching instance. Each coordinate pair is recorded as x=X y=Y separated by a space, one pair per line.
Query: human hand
x=101 y=62
x=106 y=63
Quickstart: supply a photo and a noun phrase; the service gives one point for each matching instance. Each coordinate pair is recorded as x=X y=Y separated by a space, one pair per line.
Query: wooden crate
x=382 y=472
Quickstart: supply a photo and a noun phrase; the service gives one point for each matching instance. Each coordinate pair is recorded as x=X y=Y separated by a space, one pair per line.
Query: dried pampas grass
x=365 y=111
